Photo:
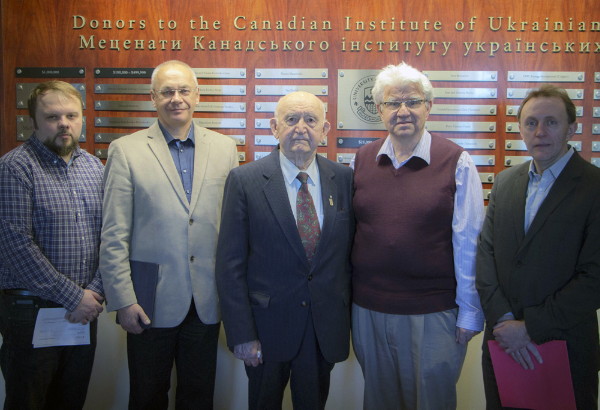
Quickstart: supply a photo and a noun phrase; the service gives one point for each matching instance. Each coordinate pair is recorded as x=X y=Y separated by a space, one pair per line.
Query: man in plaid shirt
x=50 y=220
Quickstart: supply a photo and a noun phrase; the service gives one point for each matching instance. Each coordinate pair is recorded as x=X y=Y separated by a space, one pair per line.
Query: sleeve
x=466 y=225
x=232 y=264
x=19 y=251
x=117 y=223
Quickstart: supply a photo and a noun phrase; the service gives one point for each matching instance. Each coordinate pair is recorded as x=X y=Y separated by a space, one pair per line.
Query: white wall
x=109 y=387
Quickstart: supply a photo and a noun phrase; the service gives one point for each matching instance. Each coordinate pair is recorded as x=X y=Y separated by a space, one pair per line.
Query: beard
x=61 y=150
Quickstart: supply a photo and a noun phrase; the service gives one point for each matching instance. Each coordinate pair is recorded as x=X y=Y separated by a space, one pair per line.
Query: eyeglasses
x=395 y=105
x=170 y=93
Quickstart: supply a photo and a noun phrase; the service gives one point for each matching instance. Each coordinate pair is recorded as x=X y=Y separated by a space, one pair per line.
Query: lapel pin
x=330 y=200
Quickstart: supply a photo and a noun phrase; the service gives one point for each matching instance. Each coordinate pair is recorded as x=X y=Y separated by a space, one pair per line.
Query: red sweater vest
x=402 y=255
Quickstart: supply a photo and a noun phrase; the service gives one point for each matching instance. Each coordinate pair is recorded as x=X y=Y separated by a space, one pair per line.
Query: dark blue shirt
x=183 y=157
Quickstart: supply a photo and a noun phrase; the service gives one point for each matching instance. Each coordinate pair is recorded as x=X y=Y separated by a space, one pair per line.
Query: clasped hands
x=88 y=308
x=512 y=336
x=249 y=352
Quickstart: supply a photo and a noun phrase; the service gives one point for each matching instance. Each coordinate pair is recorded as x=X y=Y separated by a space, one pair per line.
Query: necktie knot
x=302 y=177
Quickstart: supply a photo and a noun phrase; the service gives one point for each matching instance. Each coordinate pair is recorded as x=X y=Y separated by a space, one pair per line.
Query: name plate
x=596 y=94
x=50 y=72
x=512 y=110
x=262 y=140
x=25 y=128
x=260 y=154
x=239 y=139
x=268 y=106
x=597 y=77
x=486 y=177
x=595 y=161
x=595 y=146
x=462 y=75
x=124 y=122
x=484 y=160
x=344 y=158
x=460 y=126
x=241 y=156
x=262 y=123
x=574 y=94
x=220 y=72
x=24 y=91
x=145 y=89
x=123 y=72
x=465 y=92
x=101 y=153
x=202 y=106
x=296 y=73
x=596 y=112
x=353 y=142
x=108 y=137
x=470 y=143
x=486 y=193
x=519 y=145
x=222 y=122
x=463 y=109
x=547 y=76
x=511 y=160
x=222 y=90
x=356 y=108
x=595 y=129
x=513 y=127
x=286 y=89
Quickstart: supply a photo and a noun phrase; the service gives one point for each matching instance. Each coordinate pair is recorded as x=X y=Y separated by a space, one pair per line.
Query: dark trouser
x=192 y=345
x=42 y=378
x=585 y=380
x=310 y=375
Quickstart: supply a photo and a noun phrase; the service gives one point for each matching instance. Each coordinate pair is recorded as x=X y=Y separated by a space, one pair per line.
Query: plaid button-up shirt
x=50 y=221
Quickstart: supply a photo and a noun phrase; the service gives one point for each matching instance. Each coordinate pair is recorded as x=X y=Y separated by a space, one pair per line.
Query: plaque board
x=513 y=127
x=574 y=94
x=122 y=72
x=465 y=92
x=50 y=72
x=511 y=160
x=462 y=75
x=547 y=76
x=463 y=109
x=460 y=126
x=290 y=88
x=295 y=73
x=473 y=143
x=25 y=89
x=25 y=128
x=512 y=110
x=486 y=177
x=356 y=109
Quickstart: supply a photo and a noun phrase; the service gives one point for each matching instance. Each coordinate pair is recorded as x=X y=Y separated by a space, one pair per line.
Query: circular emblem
x=361 y=100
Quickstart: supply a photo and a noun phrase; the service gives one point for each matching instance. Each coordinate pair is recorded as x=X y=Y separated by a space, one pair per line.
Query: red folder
x=548 y=386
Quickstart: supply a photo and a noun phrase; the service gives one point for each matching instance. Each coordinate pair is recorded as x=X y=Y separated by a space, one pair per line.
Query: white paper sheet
x=52 y=329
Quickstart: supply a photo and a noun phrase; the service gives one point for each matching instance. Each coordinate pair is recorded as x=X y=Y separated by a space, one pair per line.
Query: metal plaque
x=596 y=94
x=597 y=77
x=356 y=109
x=260 y=154
x=269 y=106
x=222 y=122
x=25 y=128
x=344 y=158
x=353 y=142
x=574 y=94
x=463 y=109
x=208 y=106
x=290 y=88
x=25 y=89
x=101 y=153
x=124 y=122
x=222 y=90
x=265 y=140
x=124 y=72
x=108 y=137
x=465 y=92
x=220 y=72
x=596 y=112
x=595 y=146
x=595 y=129
x=472 y=143
x=462 y=75
x=547 y=76
x=511 y=160
x=239 y=139
x=486 y=177
x=460 y=126
x=484 y=160
x=512 y=110
x=595 y=161
x=519 y=145
x=124 y=106
x=262 y=123
x=241 y=156
x=514 y=127
x=296 y=73
x=486 y=193
x=122 y=88
x=50 y=72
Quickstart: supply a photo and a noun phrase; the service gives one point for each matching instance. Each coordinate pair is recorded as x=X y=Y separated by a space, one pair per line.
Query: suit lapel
x=201 y=158
x=158 y=146
x=517 y=202
x=277 y=197
x=329 y=196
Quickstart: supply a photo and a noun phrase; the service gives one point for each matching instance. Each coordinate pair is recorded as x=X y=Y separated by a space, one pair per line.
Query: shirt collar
x=290 y=171
x=422 y=149
x=556 y=168
x=169 y=138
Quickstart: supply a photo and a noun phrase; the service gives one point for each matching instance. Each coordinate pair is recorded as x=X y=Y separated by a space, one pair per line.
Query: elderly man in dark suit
x=283 y=272
x=538 y=263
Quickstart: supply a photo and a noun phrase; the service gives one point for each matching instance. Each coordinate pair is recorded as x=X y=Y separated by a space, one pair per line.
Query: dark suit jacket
x=267 y=287
x=549 y=277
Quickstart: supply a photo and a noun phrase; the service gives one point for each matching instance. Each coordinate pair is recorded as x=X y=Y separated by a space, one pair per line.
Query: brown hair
x=54 y=85
x=551 y=91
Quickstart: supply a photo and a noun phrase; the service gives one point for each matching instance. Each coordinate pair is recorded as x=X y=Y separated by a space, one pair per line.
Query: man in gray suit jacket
x=164 y=188
x=284 y=283
x=538 y=263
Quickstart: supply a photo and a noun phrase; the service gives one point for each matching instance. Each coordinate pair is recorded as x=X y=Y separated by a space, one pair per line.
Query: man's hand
x=512 y=336
x=463 y=336
x=88 y=308
x=130 y=318
x=249 y=352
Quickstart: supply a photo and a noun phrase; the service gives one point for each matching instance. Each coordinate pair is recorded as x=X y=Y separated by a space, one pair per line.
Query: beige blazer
x=147 y=218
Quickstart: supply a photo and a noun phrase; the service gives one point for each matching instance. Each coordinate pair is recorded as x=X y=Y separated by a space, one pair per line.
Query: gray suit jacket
x=147 y=218
x=266 y=284
x=550 y=276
